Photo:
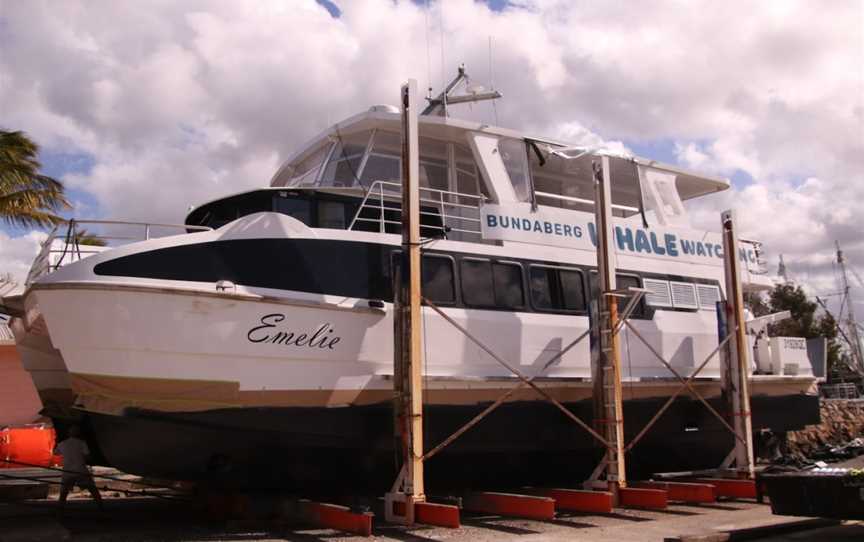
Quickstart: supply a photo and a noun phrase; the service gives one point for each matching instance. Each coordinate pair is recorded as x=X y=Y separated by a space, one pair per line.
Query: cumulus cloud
x=180 y=102
x=18 y=254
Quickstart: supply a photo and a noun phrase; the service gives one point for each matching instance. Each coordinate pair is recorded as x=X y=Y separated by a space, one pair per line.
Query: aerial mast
x=851 y=324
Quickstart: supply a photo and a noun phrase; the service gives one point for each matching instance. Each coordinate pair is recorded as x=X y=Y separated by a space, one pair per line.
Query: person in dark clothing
x=75 y=454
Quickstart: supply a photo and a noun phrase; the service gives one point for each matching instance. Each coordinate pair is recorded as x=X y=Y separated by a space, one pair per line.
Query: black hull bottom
x=305 y=449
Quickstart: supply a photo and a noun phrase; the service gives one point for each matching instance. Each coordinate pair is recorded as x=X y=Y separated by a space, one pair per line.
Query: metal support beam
x=608 y=408
x=408 y=363
x=736 y=369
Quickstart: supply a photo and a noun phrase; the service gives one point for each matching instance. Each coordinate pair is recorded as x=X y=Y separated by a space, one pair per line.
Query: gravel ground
x=150 y=520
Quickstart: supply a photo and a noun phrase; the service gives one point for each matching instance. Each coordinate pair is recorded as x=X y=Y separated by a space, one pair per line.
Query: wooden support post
x=608 y=408
x=408 y=362
x=736 y=370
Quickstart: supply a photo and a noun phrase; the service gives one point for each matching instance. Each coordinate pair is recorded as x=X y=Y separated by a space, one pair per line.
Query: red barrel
x=31 y=444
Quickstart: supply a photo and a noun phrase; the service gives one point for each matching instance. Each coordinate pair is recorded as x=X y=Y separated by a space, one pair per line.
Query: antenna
x=781 y=270
x=438 y=105
x=851 y=324
x=492 y=80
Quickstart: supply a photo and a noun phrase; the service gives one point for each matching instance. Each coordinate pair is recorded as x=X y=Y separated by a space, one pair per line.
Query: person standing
x=75 y=454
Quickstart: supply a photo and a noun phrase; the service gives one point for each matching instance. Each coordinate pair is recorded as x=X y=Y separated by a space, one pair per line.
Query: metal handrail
x=433 y=197
x=42 y=264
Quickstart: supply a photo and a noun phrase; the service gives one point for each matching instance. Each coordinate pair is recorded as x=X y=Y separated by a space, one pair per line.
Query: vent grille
x=708 y=296
x=684 y=295
x=658 y=294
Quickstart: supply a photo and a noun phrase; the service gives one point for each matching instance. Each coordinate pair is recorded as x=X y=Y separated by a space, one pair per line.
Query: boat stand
x=406 y=502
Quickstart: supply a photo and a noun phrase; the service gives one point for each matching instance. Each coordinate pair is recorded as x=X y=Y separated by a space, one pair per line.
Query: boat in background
x=19 y=402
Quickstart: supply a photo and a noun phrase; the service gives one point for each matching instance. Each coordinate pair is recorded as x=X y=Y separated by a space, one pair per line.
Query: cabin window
x=515 y=158
x=433 y=165
x=294 y=207
x=566 y=184
x=477 y=289
x=507 y=280
x=569 y=183
x=542 y=281
x=344 y=165
x=492 y=284
x=572 y=289
x=556 y=289
x=331 y=214
x=384 y=162
x=438 y=282
x=306 y=171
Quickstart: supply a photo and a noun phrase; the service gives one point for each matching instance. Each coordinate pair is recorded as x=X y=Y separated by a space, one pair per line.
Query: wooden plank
x=509 y=504
x=578 y=500
x=643 y=498
x=683 y=491
x=729 y=487
x=337 y=517
x=442 y=515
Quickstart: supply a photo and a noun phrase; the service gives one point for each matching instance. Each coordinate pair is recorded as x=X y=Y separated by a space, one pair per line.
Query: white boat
x=260 y=350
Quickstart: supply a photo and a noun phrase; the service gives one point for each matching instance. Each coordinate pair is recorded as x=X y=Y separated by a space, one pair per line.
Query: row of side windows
x=488 y=283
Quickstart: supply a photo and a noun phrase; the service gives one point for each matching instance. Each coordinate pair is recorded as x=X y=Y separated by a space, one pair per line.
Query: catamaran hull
x=43 y=362
x=531 y=441
x=242 y=390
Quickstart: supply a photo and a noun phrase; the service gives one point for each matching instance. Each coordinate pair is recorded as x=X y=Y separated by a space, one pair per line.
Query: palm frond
x=27 y=197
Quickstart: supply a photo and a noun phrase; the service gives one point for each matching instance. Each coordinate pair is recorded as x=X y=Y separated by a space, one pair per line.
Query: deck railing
x=70 y=242
x=443 y=213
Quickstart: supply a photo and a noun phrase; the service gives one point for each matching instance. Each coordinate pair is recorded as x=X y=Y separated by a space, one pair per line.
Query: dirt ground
x=150 y=520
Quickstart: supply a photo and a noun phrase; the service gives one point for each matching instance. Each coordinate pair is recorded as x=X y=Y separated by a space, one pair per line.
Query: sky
x=144 y=108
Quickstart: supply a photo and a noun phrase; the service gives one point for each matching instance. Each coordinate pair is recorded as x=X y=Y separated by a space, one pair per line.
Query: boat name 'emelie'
x=317 y=339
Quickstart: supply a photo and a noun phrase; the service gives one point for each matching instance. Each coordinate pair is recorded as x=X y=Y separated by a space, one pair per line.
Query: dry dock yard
x=172 y=515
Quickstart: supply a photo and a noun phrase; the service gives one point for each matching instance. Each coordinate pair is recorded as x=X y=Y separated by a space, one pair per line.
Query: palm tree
x=27 y=198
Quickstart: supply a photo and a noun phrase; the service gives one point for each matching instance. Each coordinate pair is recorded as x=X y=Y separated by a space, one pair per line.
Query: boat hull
x=301 y=448
x=43 y=362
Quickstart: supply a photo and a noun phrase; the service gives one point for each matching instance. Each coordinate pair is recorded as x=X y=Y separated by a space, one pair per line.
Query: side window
x=542 y=281
x=477 y=289
x=515 y=160
x=438 y=283
x=507 y=279
x=557 y=289
x=331 y=214
x=572 y=290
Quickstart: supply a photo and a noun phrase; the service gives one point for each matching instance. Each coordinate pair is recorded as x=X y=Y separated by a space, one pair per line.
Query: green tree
x=27 y=198
x=790 y=297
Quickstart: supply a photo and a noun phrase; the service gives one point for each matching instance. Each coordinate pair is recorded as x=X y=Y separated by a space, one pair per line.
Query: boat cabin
x=348 y=177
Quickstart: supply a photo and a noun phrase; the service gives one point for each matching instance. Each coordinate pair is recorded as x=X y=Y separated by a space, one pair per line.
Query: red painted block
x=442 y=515
x=578 y=500
x=642 y=498
x=29 y=445
x=729 y=487
x=683 y=491
x=338 y=517
x=508 y=504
